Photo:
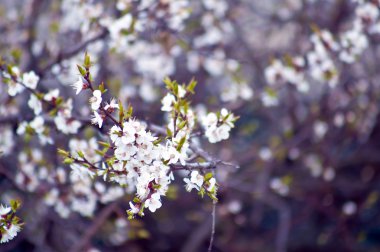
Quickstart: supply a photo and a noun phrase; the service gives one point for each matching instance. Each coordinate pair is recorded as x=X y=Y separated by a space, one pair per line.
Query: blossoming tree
x=112 y=111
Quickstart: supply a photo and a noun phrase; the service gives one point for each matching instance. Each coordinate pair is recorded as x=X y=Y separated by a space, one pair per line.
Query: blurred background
x=308 y=149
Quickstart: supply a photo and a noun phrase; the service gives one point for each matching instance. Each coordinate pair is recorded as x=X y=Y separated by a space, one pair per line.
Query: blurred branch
x=197 y=236
x=72 y=52
x=30 y=25
x=97 y=224
x=284 y=219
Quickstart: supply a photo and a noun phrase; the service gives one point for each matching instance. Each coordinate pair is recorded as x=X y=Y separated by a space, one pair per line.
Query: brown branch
x=70 y=53
x=212 y=226
x=97 y=224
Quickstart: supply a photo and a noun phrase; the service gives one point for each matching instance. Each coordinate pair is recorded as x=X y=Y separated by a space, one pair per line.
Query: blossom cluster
x=113 y=154
x=10 y=224
x=134 y=158
x=320 y=63
x=218 y=125
x=153 y=59
x=62 y=109
x=139 y=164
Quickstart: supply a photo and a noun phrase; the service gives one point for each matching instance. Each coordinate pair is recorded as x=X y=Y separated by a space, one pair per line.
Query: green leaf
x=182 y=125
x=104 y=144
x=121 y=112
x=16 y=54
x=130 y=112
x=68 y=161
x=193 y=83
x=175 y=89
x=202 y=192
x=100 y=153
x=53 y=112
x=169 y=133
x=168 y=83
x=181 y=143
x=208 y=176
x=10 y=71
x=102 y=88
x=141 y=210
x=81 y=70
x=15 y=204
x=157 y=141
x=80 y=154
x=87 y=61
x=62 y=152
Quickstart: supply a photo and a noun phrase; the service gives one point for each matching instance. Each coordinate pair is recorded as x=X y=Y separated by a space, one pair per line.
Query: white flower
x=81 y=172
x=4 y=210
x=96 y=99
x=62 y=209
x=210 y=120
x=167 y=102
x=112 y=194
x=123 y=23
x=190 y=185
x=216 y=134
x=275 y=72
x=114 y=134
x=35 y=104
x=368 y=13
x=354 y=42
x=148 y=92
x=269 y=99
x=124 y=152
x=171 y=154
x=197 y=178
x=51 y=197
x=153 y=203
x=21 y=128
x=134 y=209
x=15 y=88
x=66 y=125
x=212 y=182
x=38 y=124
x=123 y=4
x=181 y=91
x=142 y=184
x=321 y=67
x=325 y=39
x=97 y=119
x=196 y=181
x=78 y=86
x=30 y=79
x=111 y=105
x=10 y=233
x=6 y=140
x=51 y=95
x=129 y=132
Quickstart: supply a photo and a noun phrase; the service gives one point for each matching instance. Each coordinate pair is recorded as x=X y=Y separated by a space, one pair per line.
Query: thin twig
x=212 y=226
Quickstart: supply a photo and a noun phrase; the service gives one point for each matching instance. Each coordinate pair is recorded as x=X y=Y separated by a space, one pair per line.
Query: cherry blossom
x=30 y=80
